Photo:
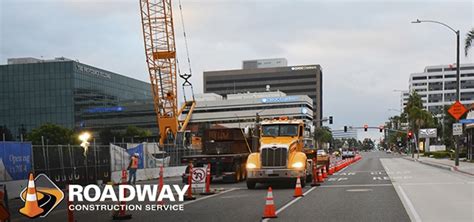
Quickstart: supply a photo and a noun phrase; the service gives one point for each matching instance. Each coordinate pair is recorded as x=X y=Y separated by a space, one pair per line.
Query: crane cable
x=185 y=76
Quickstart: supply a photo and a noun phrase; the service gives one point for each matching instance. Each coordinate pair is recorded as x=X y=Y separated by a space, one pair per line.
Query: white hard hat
x=136 y=154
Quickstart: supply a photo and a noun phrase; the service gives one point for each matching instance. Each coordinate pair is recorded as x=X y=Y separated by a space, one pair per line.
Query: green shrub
x=441 y=154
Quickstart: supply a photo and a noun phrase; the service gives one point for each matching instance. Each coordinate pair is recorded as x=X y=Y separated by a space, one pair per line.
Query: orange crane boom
x=160 y=50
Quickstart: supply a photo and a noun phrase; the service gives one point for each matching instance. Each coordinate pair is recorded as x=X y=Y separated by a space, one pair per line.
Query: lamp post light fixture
x=457 y=32
x=84 y=138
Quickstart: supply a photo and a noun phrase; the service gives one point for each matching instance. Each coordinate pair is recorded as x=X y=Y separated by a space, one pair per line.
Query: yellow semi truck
x=280 y=156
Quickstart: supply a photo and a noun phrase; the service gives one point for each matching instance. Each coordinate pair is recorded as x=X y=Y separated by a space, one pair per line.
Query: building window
x=418 y=77
x=434 y=70
x=435 y=77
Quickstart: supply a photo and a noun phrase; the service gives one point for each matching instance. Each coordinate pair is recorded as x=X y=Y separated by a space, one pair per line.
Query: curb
x=439 y=165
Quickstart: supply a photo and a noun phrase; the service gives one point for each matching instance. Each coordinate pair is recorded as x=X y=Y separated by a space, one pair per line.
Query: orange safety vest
x=134 y=164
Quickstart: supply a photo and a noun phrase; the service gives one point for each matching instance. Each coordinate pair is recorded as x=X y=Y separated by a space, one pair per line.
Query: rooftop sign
x=279 y=99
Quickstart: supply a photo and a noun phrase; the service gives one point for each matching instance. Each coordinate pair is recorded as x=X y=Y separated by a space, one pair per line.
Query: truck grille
x=274 y=157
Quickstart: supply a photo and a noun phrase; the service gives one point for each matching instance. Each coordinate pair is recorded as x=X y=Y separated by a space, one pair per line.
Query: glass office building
x=59 y=91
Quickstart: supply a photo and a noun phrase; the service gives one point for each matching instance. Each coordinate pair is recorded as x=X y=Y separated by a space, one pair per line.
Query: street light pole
x=458 y=94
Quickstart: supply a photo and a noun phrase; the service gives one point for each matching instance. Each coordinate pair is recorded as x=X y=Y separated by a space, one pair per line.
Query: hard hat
x=136 y=154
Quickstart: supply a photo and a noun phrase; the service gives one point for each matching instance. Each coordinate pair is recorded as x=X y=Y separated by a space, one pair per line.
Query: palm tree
x=468 y=43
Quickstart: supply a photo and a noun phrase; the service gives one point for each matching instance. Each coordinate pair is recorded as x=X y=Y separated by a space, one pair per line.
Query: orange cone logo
x=298 y=189
x=40 y=197
x=269 y=211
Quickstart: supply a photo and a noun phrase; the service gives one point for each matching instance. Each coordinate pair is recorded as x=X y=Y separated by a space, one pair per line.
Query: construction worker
x=132 y=168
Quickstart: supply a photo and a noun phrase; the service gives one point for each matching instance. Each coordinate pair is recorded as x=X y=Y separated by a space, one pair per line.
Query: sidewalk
x=464 y=167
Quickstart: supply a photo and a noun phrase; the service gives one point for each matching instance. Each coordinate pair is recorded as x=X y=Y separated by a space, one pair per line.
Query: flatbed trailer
x=226 y=150
x=225 y=167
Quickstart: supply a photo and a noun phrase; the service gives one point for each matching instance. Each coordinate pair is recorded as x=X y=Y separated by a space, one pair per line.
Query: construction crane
x=160 y=50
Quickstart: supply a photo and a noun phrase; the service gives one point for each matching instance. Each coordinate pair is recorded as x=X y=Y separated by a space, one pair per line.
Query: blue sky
x=367 y=48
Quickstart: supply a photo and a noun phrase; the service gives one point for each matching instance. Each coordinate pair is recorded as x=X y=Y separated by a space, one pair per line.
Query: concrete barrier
x=14 y=187
x=151 y=173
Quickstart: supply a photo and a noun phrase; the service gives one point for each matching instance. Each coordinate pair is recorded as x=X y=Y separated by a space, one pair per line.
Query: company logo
x=41 y=196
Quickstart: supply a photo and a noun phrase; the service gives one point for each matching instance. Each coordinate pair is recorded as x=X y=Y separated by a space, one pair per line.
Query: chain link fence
x=67 y=164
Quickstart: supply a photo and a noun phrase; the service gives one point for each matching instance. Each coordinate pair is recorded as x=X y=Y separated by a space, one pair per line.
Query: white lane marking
x=380 y=178
x=409 y=204
x=357 y=185
x=290 y=203
x=234 y=196
x=206 y=197
x=359 y=190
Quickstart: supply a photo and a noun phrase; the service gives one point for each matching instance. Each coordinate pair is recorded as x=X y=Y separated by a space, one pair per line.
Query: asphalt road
x=360 y=192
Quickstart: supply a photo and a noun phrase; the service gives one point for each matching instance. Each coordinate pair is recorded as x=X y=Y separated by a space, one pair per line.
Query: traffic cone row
x=325 y=174
x=331 y=169
x=314 y=177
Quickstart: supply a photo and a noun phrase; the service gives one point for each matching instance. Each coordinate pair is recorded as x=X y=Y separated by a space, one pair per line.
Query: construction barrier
x=4 y=209
x=70 y=213
x=190 y=196
x=160 y=183
x=121 y=214
x=208 y=181
x=314 y=176
x=325 y=174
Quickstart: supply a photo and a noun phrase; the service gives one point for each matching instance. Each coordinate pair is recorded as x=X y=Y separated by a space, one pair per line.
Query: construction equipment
x=160 y=51
x=281 y=156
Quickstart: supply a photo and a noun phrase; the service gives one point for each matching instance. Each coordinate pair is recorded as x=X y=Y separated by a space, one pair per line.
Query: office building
x=269 y=75
x=60 y=91
x=437 y=86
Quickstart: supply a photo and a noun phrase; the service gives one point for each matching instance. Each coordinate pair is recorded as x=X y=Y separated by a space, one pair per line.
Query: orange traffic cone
x=269 y=211
x=320 y=177
x=298 y=189
x=31 y=208
x=325 y=174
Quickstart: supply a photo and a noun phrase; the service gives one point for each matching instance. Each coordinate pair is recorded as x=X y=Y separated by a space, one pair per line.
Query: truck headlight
x=251 y=166
x=297 y=165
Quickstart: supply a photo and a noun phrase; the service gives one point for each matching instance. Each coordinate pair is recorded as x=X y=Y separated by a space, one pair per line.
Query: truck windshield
x=280 y=130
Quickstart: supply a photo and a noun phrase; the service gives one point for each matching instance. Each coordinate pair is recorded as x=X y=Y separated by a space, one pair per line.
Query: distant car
x=348 y=154
x=388 y=151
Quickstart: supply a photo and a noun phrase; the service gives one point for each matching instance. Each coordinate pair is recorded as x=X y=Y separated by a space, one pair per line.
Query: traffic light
x=381 y=129
x=366 y=127
x=410 y=135
x=330 y=119
x=345 y=129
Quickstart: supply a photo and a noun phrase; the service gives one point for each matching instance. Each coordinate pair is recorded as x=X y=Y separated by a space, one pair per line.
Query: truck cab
x=280 y=156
